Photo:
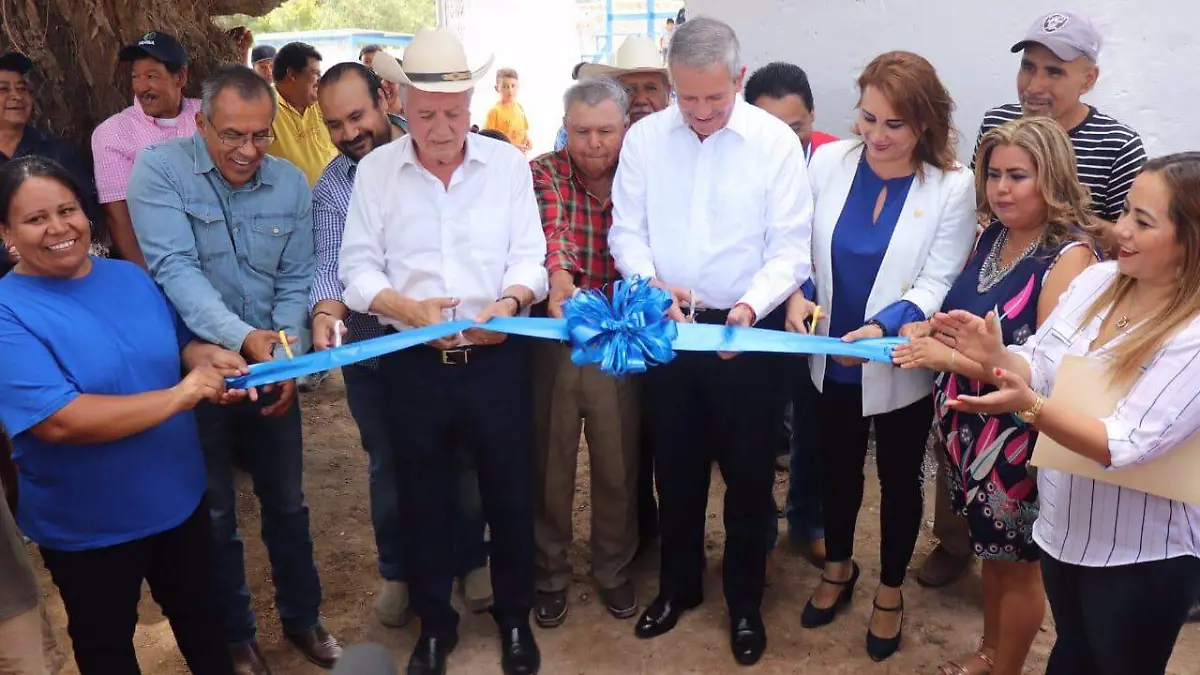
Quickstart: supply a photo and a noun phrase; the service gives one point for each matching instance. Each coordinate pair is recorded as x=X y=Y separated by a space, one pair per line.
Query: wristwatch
x=1030 y=416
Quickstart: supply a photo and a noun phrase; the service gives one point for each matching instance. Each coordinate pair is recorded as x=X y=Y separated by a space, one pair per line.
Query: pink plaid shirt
x=117 y=140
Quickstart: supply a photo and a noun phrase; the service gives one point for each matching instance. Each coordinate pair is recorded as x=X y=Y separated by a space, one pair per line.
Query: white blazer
x=932 y=240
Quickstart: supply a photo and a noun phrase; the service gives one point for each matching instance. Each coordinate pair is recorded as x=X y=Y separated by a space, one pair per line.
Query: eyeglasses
x=233 y=139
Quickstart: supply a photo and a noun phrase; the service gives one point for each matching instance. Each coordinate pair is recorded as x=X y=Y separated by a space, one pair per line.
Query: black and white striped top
x=1108 y=155
x=1094 y=524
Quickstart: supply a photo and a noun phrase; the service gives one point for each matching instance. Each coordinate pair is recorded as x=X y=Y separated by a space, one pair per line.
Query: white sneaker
x=477 y=589
x=392 y=606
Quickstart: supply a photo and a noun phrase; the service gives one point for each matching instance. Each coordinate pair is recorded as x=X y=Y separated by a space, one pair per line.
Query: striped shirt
x=1108 y=154
x=1093 y=524
x=331 y=201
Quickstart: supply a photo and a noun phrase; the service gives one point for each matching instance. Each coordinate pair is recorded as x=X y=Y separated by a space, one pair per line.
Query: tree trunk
x=75 y=43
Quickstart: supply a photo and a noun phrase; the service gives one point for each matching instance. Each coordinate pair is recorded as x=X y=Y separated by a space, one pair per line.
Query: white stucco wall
x=1148 y=62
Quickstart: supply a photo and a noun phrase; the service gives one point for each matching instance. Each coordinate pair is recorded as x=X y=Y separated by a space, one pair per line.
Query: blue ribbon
x=625 y=335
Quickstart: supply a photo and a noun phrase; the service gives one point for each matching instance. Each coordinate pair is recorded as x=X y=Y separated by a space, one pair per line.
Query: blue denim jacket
x=230 y=259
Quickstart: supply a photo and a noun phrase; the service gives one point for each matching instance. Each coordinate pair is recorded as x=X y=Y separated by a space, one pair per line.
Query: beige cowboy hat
x=638 y=54
x=434 y=61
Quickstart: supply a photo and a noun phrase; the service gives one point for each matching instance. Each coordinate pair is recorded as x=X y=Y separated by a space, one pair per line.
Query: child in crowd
x=507 y=116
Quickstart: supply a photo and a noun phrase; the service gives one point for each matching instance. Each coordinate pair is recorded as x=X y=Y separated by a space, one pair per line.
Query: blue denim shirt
x=230 y=259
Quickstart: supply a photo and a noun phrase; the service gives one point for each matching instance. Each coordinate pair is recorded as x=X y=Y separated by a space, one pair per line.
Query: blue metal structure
x=606 y=43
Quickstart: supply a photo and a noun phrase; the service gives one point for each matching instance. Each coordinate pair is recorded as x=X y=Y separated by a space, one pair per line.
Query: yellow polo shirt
x=302 y=139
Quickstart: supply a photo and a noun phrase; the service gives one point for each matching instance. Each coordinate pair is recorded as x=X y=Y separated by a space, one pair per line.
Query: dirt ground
x=938 y=625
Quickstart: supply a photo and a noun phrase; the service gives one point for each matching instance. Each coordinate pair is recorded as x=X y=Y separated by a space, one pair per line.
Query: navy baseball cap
x=160 y=46
x=262 y=53
x=17 y=63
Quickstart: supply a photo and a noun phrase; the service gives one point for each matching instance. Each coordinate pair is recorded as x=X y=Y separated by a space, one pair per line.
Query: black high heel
x=815 y=617
x=881 y=648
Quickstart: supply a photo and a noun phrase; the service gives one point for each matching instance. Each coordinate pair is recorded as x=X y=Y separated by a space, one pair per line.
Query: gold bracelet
x=953 y=356
x=1030 y=416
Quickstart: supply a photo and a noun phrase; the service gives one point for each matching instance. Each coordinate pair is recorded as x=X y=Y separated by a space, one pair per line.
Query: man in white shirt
x=444 y=224
x=711 y=200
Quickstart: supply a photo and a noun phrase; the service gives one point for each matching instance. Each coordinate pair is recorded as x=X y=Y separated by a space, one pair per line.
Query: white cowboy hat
x=434 y=61
x=638 y=54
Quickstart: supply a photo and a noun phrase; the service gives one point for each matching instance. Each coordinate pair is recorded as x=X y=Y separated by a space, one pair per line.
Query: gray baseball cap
x=1068 y=35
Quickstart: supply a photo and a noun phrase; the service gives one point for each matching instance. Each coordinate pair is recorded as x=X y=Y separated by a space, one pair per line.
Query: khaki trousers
x=950 y=528
x=21 y=649
x=567 y=398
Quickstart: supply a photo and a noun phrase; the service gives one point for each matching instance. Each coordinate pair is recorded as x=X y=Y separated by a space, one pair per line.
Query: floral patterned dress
x=987 y=455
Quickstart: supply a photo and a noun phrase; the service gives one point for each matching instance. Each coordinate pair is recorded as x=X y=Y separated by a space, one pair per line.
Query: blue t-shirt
x=109 y=333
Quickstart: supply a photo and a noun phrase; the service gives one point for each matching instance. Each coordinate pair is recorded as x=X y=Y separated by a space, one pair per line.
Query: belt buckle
x=455 y=357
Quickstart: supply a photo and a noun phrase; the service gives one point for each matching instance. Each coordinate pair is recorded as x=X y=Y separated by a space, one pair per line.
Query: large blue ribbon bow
x=627 y=334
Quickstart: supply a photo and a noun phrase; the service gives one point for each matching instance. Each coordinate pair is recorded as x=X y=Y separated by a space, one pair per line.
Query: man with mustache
x=574 y=189
x=300 y=134
x=353 y=105
x=159 y=68
x=640 y=71
x=227 y=232
x=1058 y=66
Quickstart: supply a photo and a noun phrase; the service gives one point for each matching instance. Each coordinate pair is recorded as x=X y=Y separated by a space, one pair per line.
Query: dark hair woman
x=110 y=470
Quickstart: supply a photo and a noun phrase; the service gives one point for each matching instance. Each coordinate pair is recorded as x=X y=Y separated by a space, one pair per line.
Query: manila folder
x=1082 y=383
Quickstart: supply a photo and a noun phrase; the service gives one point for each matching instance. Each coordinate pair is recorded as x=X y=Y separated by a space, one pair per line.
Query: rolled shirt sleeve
x=787 y=257
x=166 y=238
x=629 y=236
x=896 y=315
x=526 y=259
x=362 y=260
x=561 y=251
x=1162 y=408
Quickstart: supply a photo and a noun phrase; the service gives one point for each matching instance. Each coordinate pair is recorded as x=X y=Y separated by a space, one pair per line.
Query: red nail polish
x=999 y=372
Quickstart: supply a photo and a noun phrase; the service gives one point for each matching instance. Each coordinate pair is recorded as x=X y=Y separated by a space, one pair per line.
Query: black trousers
x=101 y=588
x=483 y=406
x=703 y=409
x=899 y=455
x=1120 y=620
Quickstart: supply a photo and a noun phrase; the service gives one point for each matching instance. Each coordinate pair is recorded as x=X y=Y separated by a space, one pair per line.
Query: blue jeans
x=366 y=396
x=803 y=508
x=272 y=450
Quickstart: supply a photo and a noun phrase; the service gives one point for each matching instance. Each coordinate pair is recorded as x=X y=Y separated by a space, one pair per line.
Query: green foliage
x=404 y=16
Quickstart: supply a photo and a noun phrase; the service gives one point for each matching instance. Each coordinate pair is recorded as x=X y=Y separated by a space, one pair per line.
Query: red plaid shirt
x=576 y=222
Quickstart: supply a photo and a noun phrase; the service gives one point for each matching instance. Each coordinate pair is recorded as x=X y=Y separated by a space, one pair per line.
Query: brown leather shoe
x=318 y=646
x=942 y=568
x=248 y=660
x=621 y=601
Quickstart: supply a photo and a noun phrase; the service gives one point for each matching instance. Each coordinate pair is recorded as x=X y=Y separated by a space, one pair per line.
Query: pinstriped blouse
x=1093 y=524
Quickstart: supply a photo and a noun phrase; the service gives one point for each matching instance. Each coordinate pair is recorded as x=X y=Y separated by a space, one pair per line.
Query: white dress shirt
x=729 y=218
x=407 y=231
x=1094 y=524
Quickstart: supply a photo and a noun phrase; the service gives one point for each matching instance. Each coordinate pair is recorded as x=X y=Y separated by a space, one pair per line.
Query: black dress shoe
x=881 y=648
x=519 y=653
x=429 y=656
x=550 y=610
x=661 y=616
x=814 y=617
x=748 y=639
